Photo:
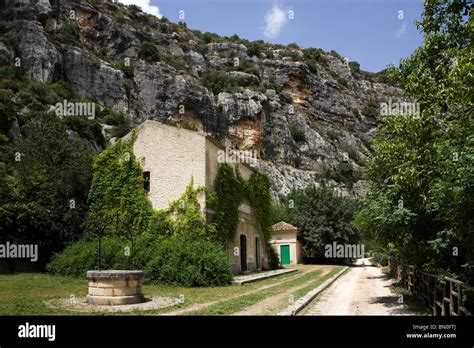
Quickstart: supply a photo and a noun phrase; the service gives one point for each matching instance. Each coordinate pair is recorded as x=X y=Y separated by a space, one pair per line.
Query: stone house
x=286 y=240
x=170 y=157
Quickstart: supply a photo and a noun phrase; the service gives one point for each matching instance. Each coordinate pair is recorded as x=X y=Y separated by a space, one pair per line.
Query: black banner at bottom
x=227 y=330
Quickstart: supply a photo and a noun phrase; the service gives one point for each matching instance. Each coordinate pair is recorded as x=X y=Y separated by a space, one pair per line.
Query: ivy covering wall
x=231 y=191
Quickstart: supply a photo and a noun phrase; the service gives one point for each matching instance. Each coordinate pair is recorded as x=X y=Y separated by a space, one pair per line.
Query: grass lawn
x=26 y=293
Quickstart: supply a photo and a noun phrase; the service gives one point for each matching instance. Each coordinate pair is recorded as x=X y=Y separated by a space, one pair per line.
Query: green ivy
x=260 y=199
x=231 y=191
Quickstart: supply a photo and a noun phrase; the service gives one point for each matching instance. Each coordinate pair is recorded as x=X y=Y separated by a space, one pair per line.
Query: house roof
x=283 y=226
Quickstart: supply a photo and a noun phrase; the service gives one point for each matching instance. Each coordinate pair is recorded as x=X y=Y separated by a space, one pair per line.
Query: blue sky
x=367 y=31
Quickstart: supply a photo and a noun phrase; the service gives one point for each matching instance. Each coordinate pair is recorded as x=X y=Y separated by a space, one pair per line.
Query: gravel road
x=362 y=290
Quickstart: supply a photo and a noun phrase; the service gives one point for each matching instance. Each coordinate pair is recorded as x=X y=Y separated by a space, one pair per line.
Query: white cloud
x=401 y=31
x=275 y=19
x=145 y=5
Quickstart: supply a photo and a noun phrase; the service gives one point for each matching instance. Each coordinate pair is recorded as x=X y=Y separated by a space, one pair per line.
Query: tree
x=323 y=218
x=148 y=52
x=117 y=197
x=44 y=194
x=420 y=203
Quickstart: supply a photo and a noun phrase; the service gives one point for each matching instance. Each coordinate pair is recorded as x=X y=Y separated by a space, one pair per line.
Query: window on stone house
x=146 y=181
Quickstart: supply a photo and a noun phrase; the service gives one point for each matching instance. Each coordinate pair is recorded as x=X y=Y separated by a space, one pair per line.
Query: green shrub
x=120 y=122
x=164 y=28
x=218 y=81
x=344 y=172
x=323 y=217
x=43 y=93
x=90 y=34
x=102 y=52
x=337 y=55
x=201 y=48
x=312 y=54
x=176 y=62
x=70 y=33
x=371 y=109
x=255 y=48
x=210 y=37
x=146 y=247
x=134 y=8
x=246 y=66
x=332 y=135
x=273 y=84
x=3 y=27
x=176 y=247
x=355 y=67
x=185 y=46
x=293 y=54
x=82 y=256
x=88 y=129
x=188 y=262
x=297 y=133
x=340 y=80
x=126 y=69
x=325 y=172
x=148 y=52
x=269 y=53
x=381 y=258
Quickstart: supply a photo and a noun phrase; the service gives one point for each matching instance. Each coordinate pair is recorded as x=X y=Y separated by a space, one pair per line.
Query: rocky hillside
x=307 y=112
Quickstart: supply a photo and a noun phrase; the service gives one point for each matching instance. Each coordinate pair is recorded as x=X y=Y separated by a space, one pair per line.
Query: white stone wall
x=172 y=156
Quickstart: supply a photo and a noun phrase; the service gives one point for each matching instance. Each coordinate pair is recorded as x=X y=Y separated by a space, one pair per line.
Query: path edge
x=263 y=277
x=297 y=306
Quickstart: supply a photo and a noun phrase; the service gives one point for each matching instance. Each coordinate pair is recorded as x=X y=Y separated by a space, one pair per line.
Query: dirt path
x=362 y=290
x=200 y=306
x=269 y=302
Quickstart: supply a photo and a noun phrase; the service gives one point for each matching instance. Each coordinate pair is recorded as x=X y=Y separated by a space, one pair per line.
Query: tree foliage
x=117 y=201
x=323 y=218
x=420 y=204
x=44 y=187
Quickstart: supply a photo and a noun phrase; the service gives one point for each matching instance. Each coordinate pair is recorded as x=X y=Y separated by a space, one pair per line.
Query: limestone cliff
x=307 y=112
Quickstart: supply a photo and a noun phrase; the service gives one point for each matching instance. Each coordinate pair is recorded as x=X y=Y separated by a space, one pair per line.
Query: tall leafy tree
x=323 y=218
x=117 y=202
x=420 y=203
x=44 y=190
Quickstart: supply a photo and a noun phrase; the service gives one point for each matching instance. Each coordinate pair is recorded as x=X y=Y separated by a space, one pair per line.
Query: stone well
x=115 y=287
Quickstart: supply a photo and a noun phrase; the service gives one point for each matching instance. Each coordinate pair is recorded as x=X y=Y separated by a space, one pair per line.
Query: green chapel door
x=285 y=254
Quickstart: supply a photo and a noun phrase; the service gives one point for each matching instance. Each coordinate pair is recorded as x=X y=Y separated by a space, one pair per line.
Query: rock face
x=93 y=78
x=40 y=58
x=305 y=118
